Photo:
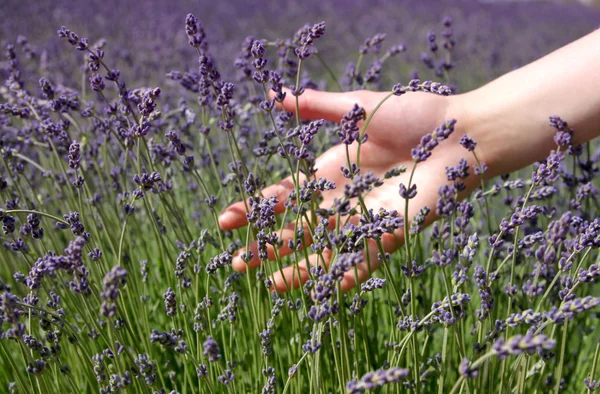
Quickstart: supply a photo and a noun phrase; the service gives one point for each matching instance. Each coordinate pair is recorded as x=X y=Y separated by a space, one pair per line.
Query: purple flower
x=485 y=293
x=349 y=130
x=73 y=39
x=468 y=143
x=547 y=172
x=170 y=302
x=36 y=367
x=589 y=275
x=306 y=37
x=415 y=85
x=202 y=371
x=194 y=31
x=115 y=279
x=47 y=88
x=74 y=155
x=470 y=248
x=72 y=218
x=416 y=226
x=361 y=183
x=374 y=225
x=433 y=47
x=564 y=135
x=167 y=339
x=292 y=370
x=311 y=346
x=176 y=142
x=459 y=171
x=344 y=263
x=262 y=212
x=226 y=378
x=147 y=181
x=376 y=379
x=519 y=344
x=592 y=385
x=231 y=308
x=8 y=224
x=526 y=317
x=408 y=193
x=429 y=141
x=97 y=82
x=265 y=339
x=358 y=304
x=147 y=368
x=465 y=369
x=211 y=349
x=148 y=103
x=578 y=305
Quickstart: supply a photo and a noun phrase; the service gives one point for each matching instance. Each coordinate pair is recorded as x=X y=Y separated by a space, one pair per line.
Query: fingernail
x=227 y=216
x=238 y=264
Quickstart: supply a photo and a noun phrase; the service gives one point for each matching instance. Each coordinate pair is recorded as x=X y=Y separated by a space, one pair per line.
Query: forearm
x=509 y=116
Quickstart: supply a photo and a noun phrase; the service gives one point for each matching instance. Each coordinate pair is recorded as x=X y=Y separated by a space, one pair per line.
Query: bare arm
x=509 y=116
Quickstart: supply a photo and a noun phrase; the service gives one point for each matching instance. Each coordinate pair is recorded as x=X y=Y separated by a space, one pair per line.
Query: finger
x=314 y=104
x=287 y=233
x=363 y=270
x=290 y=277
x=234 y=216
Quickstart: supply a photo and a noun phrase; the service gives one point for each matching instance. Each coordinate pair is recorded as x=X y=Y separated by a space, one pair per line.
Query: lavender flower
x=47 y=88
x=468 y=143
x=465 y=369
x=376 y=379
x=170 y=302
x=194 y=31
x=146 y=368
x=415 y=85
x=349 y=130
x=522 y=344
x=74 y=155
x=564 y=133
x=211 y=349
x=226 y=378
x=113 y=281
x=485 y=293
x=372 y=284
x=429 y=141
x=592 y=385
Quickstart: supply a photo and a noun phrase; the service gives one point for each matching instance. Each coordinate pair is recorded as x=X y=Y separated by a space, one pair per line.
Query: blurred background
x=145 y=40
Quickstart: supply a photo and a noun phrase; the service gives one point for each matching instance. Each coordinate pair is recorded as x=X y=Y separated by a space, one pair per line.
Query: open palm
x=395 y=129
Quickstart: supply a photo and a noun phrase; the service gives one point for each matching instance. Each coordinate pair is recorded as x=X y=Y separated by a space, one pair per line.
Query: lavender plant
x=119 y=276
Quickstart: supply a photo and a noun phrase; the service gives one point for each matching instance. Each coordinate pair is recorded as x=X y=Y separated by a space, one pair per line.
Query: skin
x=508 y=118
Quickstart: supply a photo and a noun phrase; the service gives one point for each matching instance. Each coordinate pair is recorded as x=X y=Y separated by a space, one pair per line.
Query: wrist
x=510 y=134
x=471 y=119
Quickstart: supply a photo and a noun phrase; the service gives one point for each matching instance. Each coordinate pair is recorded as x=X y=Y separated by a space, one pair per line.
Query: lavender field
x=127 y=128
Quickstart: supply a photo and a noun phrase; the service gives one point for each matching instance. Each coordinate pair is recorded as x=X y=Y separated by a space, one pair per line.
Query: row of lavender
x=147 y=42
x=117 y=276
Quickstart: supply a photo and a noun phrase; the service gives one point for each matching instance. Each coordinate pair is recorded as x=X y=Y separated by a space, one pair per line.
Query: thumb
x=314 y=104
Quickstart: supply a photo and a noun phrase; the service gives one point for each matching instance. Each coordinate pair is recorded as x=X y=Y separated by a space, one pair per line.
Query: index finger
x=315 y=104
x=234 y=216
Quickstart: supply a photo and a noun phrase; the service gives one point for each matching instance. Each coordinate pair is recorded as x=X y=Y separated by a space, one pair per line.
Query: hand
x=395 y=129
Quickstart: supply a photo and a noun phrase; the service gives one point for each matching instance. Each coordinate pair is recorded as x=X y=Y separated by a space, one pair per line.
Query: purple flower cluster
x=113 y=281
x=349 y=131
x=519 y=344
x=429 y=141
x=375 y=379
x=170 y=299
x=211 y=349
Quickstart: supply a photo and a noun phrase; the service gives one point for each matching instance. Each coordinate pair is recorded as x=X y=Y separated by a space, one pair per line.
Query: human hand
x=395 y=129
